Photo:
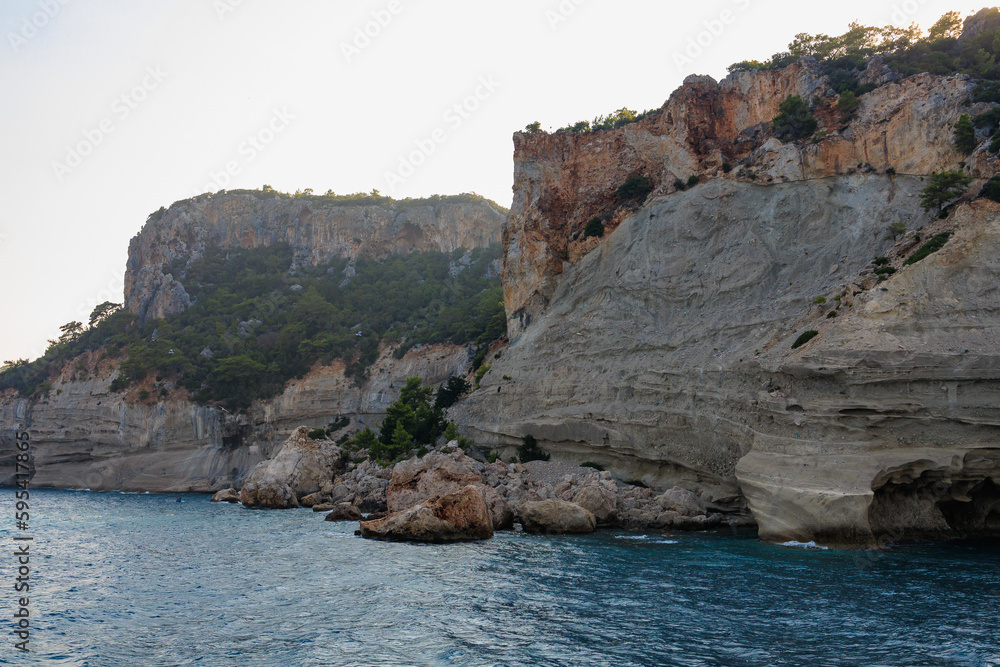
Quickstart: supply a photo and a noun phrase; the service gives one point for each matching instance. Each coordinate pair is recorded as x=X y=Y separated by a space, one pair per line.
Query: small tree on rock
x=944 y=187
x=965 y=134
x=794 y=120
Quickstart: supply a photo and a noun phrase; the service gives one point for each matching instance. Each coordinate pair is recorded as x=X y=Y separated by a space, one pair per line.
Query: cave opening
x=934 y=505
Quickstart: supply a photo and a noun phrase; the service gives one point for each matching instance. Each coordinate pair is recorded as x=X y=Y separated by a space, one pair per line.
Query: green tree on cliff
x=415 y=414
x=794 y=121
x=965 y=134
x=944 y=187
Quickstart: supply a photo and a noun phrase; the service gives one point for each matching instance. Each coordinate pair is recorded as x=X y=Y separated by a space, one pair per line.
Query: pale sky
x=114 y=108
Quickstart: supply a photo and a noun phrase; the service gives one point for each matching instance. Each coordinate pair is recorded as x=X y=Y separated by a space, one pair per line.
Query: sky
x=114 y=108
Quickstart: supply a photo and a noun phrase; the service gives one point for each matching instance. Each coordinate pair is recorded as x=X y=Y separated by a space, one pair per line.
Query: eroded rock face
x=87 y=437
x=301 y=467
x=885 y=426
x=664 y=350
x=555 y=516
x=317 y=233
x=457 y=516
x=563 y=180
x=417 y=479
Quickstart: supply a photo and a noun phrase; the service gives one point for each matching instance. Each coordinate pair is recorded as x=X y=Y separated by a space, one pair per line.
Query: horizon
x=91 y=156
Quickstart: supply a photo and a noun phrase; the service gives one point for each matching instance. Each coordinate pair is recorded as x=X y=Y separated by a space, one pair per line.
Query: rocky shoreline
x=447 y=496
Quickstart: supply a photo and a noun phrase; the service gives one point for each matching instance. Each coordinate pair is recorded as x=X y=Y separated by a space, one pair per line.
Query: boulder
x=364 y=486
x=226 y=496
x=599 y=501
x=451 y=517
x=323 y=507
x=682 y=501
x=344 y=512
x=418 y=479
x=272 y=495
x=556 y=516
x=500 y=511
x=301 y=467
x=314 y=499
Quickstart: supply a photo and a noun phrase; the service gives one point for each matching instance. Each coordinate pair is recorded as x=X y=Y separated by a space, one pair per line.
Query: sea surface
x=127 y=579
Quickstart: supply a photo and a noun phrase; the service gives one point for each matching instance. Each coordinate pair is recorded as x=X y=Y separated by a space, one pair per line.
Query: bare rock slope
x=664 y=350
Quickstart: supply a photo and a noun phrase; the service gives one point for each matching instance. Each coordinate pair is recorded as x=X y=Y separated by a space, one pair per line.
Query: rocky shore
x=446 y=495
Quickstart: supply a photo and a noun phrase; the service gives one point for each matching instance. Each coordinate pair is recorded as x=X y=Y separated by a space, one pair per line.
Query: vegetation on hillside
x=612 y=121
x=906 y=51
x=254 y=325
x=373 y=198
x=412 y=422
x=944 y=187
x=794 y=120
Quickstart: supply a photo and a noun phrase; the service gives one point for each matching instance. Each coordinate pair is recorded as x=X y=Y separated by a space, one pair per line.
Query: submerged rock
x=452 y=517
x=556 y=516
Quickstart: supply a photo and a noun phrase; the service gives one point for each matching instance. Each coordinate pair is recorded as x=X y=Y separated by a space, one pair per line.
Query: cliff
x=152 y=436
x=664 y=350
x=86 y=436
x=317 y=228
x=563 y=180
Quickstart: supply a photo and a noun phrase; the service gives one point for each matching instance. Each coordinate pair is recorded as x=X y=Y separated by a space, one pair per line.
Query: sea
x=144 y=579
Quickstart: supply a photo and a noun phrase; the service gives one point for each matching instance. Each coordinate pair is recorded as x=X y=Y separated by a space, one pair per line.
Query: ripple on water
x=126 y=579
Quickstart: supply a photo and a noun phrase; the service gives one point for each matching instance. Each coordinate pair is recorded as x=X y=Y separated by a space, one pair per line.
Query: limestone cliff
x=663 y=351
x=562 y=180
x=87 y=437
x=317 y=228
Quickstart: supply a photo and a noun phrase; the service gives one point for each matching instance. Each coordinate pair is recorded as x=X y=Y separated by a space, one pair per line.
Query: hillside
x=249 y=314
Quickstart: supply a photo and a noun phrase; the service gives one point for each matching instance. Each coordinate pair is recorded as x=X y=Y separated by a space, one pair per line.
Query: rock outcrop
x=226 y=496
x=663 y=351
x=301 y=467
x=318 y=229
x=452 y=517
x=417 y=479
x=563 y=180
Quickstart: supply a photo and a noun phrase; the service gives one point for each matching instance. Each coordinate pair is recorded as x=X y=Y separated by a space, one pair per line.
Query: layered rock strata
x=663 y=350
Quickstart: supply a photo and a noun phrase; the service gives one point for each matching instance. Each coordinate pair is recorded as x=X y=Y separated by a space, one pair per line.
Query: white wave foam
x=804 y=545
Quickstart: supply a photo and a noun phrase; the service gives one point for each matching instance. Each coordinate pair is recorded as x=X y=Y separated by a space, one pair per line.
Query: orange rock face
x=563 y=180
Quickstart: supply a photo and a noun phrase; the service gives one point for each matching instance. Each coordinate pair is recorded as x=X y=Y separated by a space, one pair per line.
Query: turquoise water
x=142 y=580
